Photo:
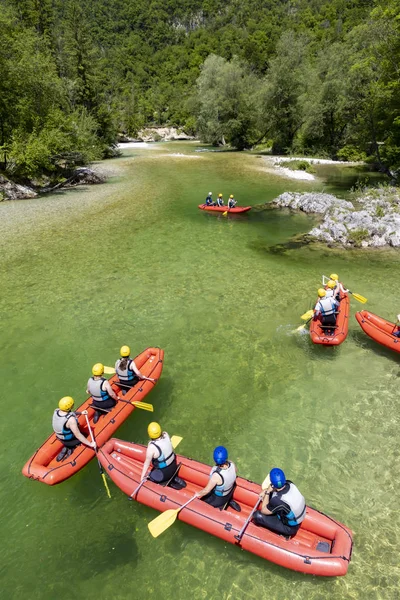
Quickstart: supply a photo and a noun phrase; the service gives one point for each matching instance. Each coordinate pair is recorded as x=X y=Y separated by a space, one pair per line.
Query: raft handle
x=307 y=560
x=228 y=526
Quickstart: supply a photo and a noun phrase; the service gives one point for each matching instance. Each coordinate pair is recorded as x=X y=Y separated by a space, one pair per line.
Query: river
x=135 y=262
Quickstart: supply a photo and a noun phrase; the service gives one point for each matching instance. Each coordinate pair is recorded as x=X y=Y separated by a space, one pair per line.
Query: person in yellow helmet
x=103 y=396
x=326 y=309
x=231 y=202
x=339 y=287
x=66 y=428
x=330 y=288
x=160 y=454
x=220 y=200
x=127 y=371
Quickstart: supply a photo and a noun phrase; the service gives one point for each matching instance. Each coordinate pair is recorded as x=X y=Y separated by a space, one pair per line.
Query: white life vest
x=327 y=306
x=166 y=450
x=228 y=477
x=126 y=375
x=295 y=500
x=60 y=425
x=95 y=387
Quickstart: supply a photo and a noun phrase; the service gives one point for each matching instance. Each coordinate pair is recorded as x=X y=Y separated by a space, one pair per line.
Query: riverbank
x=291 y=167
x=10 y=190
x=372 y=220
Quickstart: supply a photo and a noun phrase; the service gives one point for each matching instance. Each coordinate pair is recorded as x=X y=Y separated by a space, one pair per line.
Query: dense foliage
x=312 y=76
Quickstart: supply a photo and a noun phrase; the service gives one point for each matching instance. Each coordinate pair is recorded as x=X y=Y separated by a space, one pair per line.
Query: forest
x=317 y=77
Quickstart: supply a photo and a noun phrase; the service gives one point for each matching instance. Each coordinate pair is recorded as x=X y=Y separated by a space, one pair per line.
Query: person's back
x=103 y=396
x=66 y=427
x=220 y=200
x=231 y=202
x=209 y=200
x=221 y=484
x=161 y=455
x=326 y=308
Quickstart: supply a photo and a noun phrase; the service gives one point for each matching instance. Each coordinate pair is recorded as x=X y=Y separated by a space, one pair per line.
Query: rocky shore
x=157 y=134
x=373 y=220
x=9 y=190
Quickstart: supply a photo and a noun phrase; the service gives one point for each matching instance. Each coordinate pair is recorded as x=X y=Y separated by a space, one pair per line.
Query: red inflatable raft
x=322 y=546
x=236 y=210
x=329 y=336
x=43 y=466
x=378 y=329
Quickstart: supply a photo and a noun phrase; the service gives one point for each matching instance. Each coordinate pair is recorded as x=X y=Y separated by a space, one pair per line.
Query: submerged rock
x=376 y=224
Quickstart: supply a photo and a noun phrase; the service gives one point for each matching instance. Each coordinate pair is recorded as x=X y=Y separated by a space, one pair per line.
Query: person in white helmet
x=209 y=200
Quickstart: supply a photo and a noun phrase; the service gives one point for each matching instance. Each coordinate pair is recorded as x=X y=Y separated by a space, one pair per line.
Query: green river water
x=135 y=262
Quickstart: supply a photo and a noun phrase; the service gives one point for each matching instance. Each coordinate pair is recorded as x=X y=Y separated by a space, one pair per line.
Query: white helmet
x=210 y=193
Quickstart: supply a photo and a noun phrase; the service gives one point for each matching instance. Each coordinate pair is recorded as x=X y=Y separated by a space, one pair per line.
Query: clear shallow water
x=134 y=261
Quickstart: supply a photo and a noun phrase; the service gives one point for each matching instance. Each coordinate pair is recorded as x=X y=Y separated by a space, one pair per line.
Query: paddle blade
x=175 y=440
x=225 y=213
x=307 y=315
x=143 y=406
x=266 y=483
x=158 y=525
x=300 y=328
x=359 y=298
x=106 y=485
x=109 y=370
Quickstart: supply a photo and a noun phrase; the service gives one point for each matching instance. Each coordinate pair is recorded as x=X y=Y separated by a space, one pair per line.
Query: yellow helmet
x=125 y=351
x=66 y=403
x=334 y=276
x=231 y=196
x=321 y=292
x=331 y=284
x=98 y=369
x=154 y=430
x=219 y=195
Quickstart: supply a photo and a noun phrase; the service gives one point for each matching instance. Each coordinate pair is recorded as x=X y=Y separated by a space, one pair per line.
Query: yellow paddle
x=225 y=213
x=109 y=370
x=358 y=297
x=158 y=525
x=308 y=315
x=100 y=467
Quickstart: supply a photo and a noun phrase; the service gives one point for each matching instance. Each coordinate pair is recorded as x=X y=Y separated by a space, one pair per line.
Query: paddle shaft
x=241 y=532
x=138 y=487
x=97 y=456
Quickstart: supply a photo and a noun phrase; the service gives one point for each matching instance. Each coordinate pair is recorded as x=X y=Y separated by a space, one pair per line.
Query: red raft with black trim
x=236 y=210
x=43 y=466
x=322 y=546
x=332 y=336
x=378 y=329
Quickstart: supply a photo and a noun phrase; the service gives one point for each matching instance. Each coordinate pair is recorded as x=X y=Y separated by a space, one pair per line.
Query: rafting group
x=219 y=205
x=271 y=520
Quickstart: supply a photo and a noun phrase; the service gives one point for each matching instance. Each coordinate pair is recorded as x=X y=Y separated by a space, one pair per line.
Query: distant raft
x=328 y=335
x=378 y=329
x=42 y=466
x=236 y=210
x=322 y=546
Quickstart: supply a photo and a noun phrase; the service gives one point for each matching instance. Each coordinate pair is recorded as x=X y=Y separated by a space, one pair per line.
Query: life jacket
x=209 y=201
x=220 y=202
x=126 y=375
x=296 y=502
x=329 y=293
x=95 y=387
x=167 y=454
x=60 y=428
x=231 y=203
x=228 y=477
x=327 y=306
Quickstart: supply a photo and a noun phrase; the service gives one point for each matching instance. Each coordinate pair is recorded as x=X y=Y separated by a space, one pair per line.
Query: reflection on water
x=136 y=262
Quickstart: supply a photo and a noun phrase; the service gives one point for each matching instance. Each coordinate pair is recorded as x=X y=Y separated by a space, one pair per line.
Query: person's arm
x=111 y=391
x=150 y=454
x=73 y=426
x=343 y=289
x=87 y=388
x=214 y=480
x=134 y=368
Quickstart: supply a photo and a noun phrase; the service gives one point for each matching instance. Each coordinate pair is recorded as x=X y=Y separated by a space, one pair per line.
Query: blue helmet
x=220 y=455
x=277 y=477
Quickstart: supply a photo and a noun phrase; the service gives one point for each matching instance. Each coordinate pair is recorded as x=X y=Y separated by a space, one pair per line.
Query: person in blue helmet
x=219 y=489
x=283 y=507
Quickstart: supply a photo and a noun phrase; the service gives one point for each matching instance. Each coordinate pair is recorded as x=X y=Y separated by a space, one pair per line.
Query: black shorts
x=217 y=501
x=71 y=443
x=273 y=523
x=160 y=475
x=110 y=403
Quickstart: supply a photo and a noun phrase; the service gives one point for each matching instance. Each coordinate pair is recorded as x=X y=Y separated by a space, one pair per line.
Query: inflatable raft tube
x=378 y=329
x=236 y=210
x=42 y=466
x=322 y=546
x=328 y=336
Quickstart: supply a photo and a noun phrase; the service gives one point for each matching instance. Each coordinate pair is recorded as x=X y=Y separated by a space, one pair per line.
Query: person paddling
x=160 y=454
x=326 y=309
x=127 y=371
x=220 y=200
x=283 y=507
x=221 y=484
x=66 y=428
x=209 y=200
x=231 y=202
x=339 y=287
x=101 y=391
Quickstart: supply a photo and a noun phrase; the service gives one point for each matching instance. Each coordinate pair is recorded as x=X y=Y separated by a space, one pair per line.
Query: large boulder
x=14 y=191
